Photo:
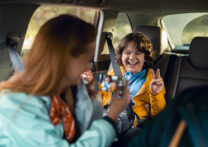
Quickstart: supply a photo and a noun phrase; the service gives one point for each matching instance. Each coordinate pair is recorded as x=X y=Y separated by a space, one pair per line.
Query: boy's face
x=132 y=60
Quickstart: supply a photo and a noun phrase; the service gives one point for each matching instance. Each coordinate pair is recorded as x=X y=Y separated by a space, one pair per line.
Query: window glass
x=44 y=13
x=122 y=28
x=182 y=28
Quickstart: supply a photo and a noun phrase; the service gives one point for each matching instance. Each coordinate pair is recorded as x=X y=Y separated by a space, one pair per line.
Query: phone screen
x=109 y=83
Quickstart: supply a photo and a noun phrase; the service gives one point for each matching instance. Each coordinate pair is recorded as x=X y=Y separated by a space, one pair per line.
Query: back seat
x=191 y=70
x=179 y=71
x=185 y=71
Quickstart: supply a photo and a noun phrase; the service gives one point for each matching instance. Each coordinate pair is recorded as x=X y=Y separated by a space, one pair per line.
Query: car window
x=46 y=12
x=122 y=28
x=182 y=28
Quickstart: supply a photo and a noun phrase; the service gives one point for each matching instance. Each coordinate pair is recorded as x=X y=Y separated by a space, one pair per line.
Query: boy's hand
x=156 y=84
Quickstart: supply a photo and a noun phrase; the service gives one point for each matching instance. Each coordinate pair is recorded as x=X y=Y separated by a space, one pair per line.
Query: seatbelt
x=17 y=63
x=117 y=71
x=11 y=43
x=112 y=53
x=116 y=67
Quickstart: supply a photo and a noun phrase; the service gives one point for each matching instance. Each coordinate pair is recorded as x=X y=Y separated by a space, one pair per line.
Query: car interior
x=177 y=29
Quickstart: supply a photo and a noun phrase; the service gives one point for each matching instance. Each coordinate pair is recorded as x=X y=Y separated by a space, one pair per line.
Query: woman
x=32 y=113
x=135 y=57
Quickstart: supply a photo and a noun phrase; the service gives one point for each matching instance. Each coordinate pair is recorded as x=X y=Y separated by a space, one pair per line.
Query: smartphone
x=109 y=83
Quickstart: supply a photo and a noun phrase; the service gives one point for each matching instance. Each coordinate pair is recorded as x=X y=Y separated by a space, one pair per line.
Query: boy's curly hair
x=143 y=45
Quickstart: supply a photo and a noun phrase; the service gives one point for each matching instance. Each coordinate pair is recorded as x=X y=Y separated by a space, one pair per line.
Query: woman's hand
x=156 y=84
x=117 y=105
x=87 y=76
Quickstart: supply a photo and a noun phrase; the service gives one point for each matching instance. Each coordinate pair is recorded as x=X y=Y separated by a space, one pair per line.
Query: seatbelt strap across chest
x=116 y=67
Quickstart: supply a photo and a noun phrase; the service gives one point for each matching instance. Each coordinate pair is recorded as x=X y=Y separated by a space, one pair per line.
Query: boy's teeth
x=132 y=63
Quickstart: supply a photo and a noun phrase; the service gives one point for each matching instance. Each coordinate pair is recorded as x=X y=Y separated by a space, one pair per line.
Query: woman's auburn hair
x=57 y=40
x=143 y=45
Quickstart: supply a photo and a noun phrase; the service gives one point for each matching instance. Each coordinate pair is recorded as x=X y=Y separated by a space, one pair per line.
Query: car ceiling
x=147 y=6
x=142 y=12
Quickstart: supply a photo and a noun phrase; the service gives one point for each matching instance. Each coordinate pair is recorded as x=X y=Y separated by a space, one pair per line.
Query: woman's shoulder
x=7 y=96
x=10 y=93
x=13 y=99
x=18 y=107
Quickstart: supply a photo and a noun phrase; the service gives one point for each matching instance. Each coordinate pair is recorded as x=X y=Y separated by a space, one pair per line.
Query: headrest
x=198 y=52
x=154 y=33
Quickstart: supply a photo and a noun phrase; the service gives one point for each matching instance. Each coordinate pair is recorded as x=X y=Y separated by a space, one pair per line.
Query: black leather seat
x=192 y=70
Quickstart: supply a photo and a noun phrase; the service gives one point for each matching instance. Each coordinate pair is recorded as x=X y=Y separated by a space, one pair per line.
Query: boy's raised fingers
x=152 y=73
x=158 y=73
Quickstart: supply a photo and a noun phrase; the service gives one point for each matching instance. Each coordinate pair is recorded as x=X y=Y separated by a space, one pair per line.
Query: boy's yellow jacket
x=143 y=97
